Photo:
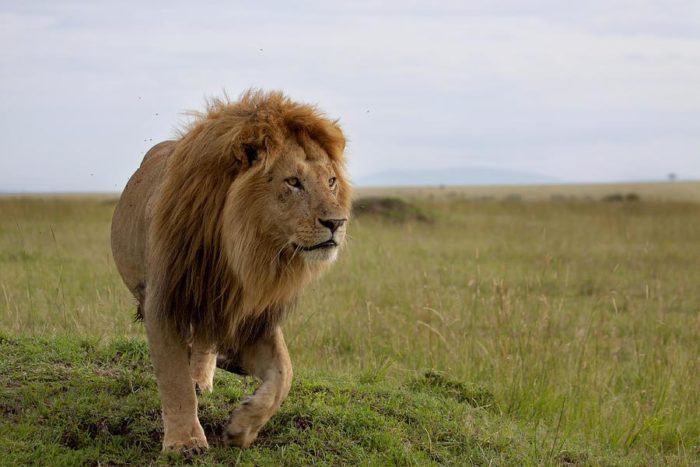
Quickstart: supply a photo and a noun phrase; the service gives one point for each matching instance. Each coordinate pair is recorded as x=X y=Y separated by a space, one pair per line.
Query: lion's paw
x=202 y=377
x=241 y=438
x=242 y=429
x=188 y=448
x=204 y=387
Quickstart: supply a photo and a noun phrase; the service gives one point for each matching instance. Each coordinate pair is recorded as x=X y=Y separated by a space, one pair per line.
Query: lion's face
x=301 y=202
x=310 y=202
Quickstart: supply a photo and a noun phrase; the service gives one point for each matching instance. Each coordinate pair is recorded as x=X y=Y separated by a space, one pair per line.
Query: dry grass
x=660 y=191
x=582 y=317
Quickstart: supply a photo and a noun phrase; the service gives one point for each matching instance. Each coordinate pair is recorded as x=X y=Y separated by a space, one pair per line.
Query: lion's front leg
x=169 y=354
x=268 y=359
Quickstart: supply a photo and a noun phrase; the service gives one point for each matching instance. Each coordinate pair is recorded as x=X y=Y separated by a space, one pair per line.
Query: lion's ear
x=251 y=154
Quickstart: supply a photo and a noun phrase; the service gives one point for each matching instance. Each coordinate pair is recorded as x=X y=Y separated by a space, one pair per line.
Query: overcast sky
x=579 y=91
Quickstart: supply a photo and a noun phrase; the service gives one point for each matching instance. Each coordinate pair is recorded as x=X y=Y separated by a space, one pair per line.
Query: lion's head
x=254 y=203
x=294 y=197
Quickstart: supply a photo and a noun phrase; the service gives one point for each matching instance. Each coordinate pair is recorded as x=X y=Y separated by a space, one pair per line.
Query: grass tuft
x=436 y=382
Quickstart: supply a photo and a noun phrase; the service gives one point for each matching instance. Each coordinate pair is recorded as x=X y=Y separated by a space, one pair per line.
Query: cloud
x=589 y=91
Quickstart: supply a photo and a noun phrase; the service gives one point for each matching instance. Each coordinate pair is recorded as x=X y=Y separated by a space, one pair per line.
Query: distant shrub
x=614 y=198
x=618 y=197
x=393 y=209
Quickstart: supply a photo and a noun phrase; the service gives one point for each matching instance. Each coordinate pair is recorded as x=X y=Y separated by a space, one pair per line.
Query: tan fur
x=202 y=366
x=214 y=240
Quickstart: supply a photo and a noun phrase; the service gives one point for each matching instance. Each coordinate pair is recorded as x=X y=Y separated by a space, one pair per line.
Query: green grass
x=80 y=401
x=571 y=325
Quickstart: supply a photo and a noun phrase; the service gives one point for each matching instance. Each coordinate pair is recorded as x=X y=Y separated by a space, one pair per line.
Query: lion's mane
x=220 y=283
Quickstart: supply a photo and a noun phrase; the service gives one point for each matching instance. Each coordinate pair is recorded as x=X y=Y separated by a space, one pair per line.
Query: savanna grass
x=579 y=319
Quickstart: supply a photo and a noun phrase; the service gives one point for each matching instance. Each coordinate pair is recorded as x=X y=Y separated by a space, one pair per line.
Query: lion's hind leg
x=269 y=361
x=202 y=366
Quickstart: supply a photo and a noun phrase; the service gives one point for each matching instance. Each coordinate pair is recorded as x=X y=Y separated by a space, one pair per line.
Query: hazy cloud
x=594 y=91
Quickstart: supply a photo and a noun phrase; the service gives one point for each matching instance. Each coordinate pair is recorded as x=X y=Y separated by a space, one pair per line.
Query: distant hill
x=455 y=176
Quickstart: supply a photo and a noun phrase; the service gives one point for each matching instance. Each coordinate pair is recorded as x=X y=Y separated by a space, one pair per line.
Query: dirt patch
x=10 y=411
x=7 y=341
x=392 y=209
x=303 y=423
x=108 y=372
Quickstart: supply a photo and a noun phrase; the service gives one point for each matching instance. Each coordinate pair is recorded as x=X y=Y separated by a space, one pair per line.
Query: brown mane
x=230 y=284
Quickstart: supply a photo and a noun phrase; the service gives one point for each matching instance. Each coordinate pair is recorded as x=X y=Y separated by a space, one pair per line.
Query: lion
x=216 y=234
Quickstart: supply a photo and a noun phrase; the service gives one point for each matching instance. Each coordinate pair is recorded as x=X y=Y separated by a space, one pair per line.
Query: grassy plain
x=577 y=322
x=653 y=191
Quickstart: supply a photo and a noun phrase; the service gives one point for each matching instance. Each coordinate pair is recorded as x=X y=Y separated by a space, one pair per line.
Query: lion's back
x=130 y=221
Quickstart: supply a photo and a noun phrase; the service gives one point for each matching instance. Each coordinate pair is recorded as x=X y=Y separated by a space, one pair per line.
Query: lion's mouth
x=327 y=244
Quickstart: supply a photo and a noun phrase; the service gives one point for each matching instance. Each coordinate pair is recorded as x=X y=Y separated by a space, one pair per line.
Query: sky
x=595 y=91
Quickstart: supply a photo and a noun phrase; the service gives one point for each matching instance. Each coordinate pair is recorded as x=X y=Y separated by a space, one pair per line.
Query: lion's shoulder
x=158 y=152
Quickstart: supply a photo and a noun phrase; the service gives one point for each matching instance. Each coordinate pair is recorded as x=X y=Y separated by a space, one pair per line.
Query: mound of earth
x=393 y=209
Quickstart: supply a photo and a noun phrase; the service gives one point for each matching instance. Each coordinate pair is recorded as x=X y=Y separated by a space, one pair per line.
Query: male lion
x=216 y=234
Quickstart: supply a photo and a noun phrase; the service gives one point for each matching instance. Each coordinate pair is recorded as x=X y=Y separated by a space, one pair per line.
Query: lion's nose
x=332 y=224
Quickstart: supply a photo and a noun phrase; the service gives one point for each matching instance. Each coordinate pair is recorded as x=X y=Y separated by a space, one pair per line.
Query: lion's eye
x=331 y=182
x=293 y=182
